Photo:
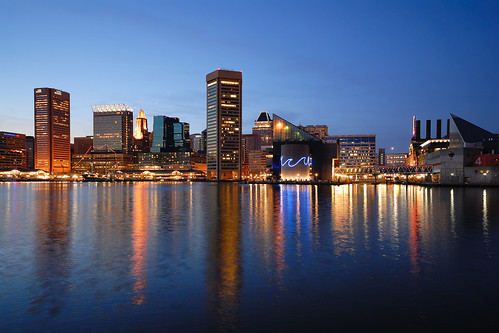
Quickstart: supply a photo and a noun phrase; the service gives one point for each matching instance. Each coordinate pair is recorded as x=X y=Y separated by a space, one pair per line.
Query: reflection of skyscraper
x=224 y=108
x=224 y=275
x=51 y=207
x=52 y=132
x=139 y=241
x=113 y=128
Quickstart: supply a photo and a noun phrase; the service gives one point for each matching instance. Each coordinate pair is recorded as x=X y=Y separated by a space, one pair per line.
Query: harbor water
x=199 y=257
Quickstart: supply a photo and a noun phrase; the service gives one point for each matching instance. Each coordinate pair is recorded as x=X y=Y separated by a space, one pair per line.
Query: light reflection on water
x=224 y=257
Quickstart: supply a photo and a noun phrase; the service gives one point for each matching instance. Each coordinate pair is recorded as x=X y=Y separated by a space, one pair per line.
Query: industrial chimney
x=439 y=128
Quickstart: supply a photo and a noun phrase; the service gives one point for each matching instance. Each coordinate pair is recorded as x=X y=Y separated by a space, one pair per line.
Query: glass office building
x=170 y=134
x=157 y=133
x=113 y=128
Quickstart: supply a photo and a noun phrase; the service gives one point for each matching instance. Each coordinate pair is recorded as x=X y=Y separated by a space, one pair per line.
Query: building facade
x=263 y=127
x=170 y=135
x=257 y=164
x=249 y=142
x=395 y=159
x=170 y=147
x=181 y=137
x=356 y=150
x=470 y=158
x=30 y=152
x=52 y=130
x=157 y=133
x=83 y=144
x=223 y=138
x=13 y=151
x=113 y=128
x=102 y=162
x=196 y=142
x=173 y=160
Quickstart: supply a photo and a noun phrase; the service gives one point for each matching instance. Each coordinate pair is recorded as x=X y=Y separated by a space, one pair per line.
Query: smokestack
x=418 y=129
x=428 y=129
x=439 y=128
x=448 y=128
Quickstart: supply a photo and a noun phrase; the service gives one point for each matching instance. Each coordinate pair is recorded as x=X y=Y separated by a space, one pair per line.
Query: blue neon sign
x=307 y=161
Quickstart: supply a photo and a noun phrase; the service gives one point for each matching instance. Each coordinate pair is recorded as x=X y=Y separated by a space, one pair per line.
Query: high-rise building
x=181 y=137
x=223 y=138
x=12 y=150
x=113 y=128
x=169 y=135
x=196 y=142
x=52 y=131
x=141 y=134
x=158 y=128
x=203 y=140
x=263 y=127
x=170 y=146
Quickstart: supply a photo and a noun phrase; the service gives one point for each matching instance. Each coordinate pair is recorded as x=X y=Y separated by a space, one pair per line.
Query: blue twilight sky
x=360 y=67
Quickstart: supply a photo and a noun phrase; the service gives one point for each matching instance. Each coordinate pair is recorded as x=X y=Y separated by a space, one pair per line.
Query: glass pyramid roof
x=285 y=131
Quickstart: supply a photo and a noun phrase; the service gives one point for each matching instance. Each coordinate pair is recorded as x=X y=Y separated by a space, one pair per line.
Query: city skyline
x=360 y=68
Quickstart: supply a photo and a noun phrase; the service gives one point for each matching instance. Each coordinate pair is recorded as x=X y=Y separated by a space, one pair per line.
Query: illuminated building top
x=140 y=126
x=111 y=108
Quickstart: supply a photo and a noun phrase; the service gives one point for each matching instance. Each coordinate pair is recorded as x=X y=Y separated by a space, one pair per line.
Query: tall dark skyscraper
x=113 y=128
x=223 y=124
x=52 y=131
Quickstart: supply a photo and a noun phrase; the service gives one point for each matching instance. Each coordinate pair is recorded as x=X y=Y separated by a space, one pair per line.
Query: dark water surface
x=227 y=257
